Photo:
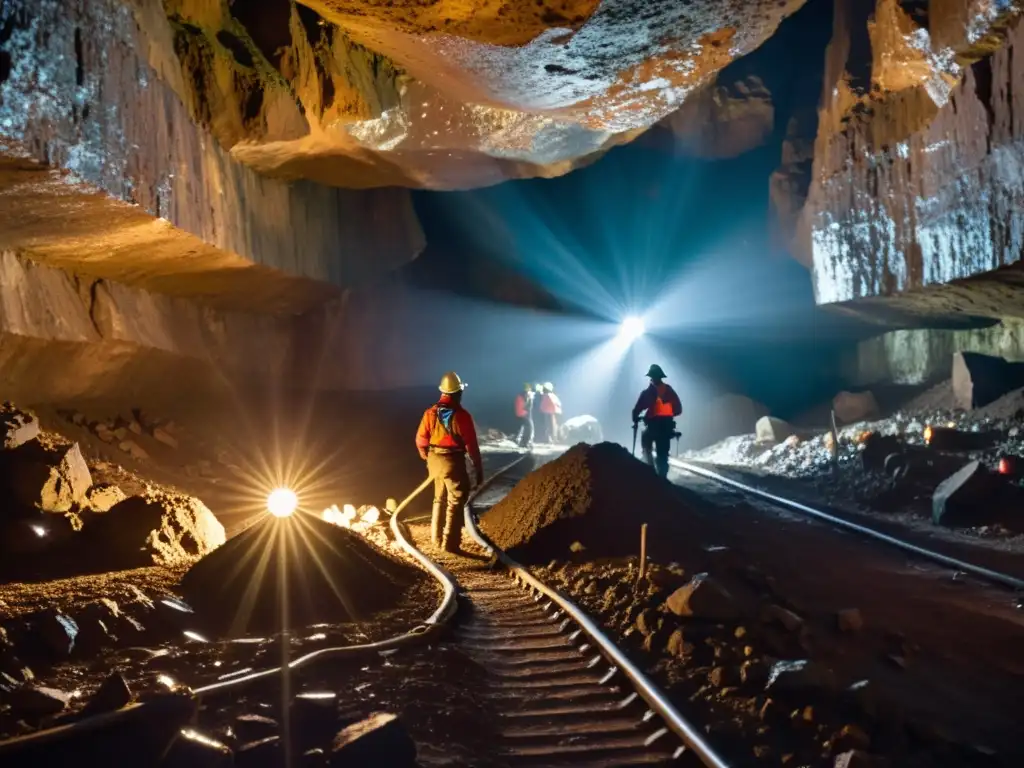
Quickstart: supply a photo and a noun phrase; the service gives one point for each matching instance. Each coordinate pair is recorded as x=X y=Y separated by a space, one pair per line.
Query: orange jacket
x=660 y=401
x=449 y=426
x=550 y=403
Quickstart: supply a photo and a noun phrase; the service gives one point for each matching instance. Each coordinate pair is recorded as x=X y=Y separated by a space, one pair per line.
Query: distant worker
x=446 y=434
x=661 y=404
x=524 y=413
x=551 y=409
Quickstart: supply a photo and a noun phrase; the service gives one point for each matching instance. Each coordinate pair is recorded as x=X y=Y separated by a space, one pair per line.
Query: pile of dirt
x=592 y=500
x=295 y=571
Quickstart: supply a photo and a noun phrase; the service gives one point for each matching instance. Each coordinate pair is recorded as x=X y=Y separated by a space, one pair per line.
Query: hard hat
x=655 y=372
x=451 y=383
x=549 y=387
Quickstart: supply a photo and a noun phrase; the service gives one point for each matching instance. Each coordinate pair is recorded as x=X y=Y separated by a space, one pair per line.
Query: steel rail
x=1003 y=579
x=687 y=733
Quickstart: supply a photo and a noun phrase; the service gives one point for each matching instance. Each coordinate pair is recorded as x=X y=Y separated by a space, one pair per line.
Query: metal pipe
x=647 y=690
x=1003 y=579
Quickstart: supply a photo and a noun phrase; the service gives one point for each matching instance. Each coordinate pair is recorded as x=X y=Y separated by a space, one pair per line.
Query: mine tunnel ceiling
x=438 y=96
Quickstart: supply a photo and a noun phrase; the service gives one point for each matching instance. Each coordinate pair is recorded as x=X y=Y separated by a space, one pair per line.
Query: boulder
x=50 y=477
x=960 y=498
x=850 y=620
x=581 y=429
x=32 y=703
x=702 y=598
x=18 y=426
x=54 y=632
x=260 y=754
x=100 y=498
x=772 y=430
x=779 y=615
x=193 y=749
x=851 y=407
x=133 y=449
x=855 y=758
x=155 y=529
x=981 y=379
x=380 y=739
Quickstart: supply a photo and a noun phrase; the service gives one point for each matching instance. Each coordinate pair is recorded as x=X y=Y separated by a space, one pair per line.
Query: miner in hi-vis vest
x=661 y=404
x=445 y=436
x=524 y=415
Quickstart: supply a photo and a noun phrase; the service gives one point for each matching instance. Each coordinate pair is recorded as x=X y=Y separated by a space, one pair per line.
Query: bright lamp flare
x=632 y=328
x=282 y=502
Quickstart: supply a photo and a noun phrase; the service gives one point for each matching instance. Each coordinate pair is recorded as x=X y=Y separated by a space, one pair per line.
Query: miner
x=661 y=405
x=524 y=414
x=446 y=434
x=551 y=409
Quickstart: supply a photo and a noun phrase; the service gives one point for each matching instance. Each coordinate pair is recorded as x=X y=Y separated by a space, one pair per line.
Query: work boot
x=452 y=531
x=436 y=524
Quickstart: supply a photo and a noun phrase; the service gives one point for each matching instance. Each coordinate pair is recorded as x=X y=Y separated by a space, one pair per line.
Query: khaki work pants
x=451 y=479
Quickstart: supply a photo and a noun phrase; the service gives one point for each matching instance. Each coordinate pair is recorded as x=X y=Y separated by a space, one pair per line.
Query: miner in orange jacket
x=524 y=414
x=550 y=409
x=445 y=436
x=661 y=405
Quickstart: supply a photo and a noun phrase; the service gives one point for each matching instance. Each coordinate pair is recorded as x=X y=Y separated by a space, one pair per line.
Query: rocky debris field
x=895 y=466
x=107 y=572
x=775 y=680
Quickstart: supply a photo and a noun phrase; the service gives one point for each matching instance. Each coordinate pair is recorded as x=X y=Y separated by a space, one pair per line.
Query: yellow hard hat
x=451 y=383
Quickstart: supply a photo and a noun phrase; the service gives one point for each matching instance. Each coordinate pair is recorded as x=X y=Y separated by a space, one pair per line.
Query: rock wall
x=95 y=87
x=64 y=337
x=917 y=175
x=724 y=120
x=923 y=355
x=446 y=94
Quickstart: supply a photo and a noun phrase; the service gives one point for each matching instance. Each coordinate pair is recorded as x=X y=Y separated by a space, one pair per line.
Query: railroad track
x=987 y=574
x=564 y=694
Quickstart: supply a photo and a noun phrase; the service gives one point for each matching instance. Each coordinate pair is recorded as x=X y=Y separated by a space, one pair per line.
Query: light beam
x=282 y=502
x=632 y=328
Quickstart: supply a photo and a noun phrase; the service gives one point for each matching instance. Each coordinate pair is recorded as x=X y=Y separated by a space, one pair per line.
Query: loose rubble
x=293 y=572
x=916 y=464
x=593 y=498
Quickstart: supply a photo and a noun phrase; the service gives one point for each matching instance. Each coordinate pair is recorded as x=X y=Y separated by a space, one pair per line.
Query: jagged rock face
x=917 y=173
x=95 y=87
x=788 y=184
x=724 y=120
x=448 y=94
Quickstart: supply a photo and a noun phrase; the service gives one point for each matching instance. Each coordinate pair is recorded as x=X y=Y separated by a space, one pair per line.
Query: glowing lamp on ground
x=927 y=435
x=632 y=328
x=1008 y=465
x=282 y=502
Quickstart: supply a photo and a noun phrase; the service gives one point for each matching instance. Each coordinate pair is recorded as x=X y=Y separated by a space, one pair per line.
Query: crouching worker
x=660 y=405
x=445 y=436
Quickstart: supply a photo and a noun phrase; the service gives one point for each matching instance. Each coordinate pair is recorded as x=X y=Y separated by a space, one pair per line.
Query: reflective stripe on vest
x=661 y=407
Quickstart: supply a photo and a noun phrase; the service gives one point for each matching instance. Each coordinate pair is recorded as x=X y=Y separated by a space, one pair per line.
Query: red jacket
x=521 y=411
x=449 y=426
x=660 y=401
x=550 y=403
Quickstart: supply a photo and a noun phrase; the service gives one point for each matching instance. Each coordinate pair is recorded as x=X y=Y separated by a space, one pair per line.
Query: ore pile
x=298 y=570
x=591 y=500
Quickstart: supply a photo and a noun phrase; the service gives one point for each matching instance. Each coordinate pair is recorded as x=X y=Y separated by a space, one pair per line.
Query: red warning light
x=1007 y=466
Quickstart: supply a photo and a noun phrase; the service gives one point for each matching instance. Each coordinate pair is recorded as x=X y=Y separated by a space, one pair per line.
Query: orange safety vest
x=661 y=407
x=441 y=437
